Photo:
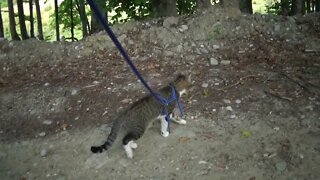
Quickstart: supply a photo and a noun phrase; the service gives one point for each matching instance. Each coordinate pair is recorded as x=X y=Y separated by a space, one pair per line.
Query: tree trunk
x=1 y=24
x=285 y=7
x=203 y=4
x=83 y=17
x=13 y=31
x=95 y=23
x=31 y=19
x=39 y=21
x=317 y=5
x=22 y=21
x=297 y=7
x=163 y=8
x=245 y=6
x=71 y=19
x=56 y=11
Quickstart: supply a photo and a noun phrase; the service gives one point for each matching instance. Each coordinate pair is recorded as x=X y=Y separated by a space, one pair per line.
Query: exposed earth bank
x=253 y=111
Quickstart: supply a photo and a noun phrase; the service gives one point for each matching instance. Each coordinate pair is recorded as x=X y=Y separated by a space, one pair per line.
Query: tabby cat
x=135 y=121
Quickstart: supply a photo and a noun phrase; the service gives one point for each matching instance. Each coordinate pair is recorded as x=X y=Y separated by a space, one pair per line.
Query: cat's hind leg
x=129 y=144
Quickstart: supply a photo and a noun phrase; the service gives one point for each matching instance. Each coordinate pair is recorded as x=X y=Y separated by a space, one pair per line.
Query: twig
x=278 y=96
x=237 y=83
x=297 y=82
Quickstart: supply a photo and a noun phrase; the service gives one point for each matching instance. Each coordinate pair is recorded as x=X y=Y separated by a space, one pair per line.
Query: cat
x=134 y=121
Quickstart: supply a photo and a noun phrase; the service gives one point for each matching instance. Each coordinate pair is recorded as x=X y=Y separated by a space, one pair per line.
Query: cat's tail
x=110 y=140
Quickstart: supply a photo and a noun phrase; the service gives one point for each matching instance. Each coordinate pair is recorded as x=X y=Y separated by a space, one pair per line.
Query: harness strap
x=161 y=99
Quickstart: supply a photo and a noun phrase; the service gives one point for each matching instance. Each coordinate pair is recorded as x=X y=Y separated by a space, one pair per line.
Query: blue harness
x=163 y=101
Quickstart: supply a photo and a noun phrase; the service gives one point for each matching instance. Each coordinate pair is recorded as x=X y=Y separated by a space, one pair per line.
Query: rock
x=202 y=162
x=229 y=108
x=183 y=28
x=47 y=122
x=281 y=166
x=122 y=38
x=214 y=61
x=225 y=62
x=170 y=21
x=74 y=92
x=179 y=48
x=43 y=153
x=42 y=134
x=204 y=85
x=168 y=53
x=277 y=27
x=216 y=47
x=238 y=101
x=227 y=101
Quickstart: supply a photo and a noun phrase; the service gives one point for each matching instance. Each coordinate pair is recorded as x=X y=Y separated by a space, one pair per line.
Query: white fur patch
x=180 y=121
x=164 y=126
x=184 y=91
x=133 y=145
x=128 y=150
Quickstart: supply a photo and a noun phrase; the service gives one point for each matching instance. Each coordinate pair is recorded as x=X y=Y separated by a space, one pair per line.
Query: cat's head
x=182 y=83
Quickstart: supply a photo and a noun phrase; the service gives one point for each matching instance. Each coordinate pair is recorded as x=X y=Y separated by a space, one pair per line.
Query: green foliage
x=140 y=9
x=64 y=15
x=3 y=3
x=276 y=6
x=186 y=6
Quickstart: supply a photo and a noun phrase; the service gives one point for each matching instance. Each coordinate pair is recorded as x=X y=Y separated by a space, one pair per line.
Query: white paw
x=182 y=121
x=165 y=134
x=133 y=145
x=129 y=155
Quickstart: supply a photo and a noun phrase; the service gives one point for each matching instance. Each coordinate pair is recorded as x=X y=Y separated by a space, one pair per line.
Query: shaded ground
x=253 y=111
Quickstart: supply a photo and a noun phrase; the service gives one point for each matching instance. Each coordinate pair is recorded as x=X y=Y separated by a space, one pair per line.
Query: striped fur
x=136 y=120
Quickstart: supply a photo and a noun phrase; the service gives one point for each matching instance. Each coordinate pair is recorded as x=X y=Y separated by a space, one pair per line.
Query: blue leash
x=165 y=102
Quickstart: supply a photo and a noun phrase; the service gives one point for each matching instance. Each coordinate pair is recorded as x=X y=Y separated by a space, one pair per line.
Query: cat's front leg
x=177 y=119
x=164 y=126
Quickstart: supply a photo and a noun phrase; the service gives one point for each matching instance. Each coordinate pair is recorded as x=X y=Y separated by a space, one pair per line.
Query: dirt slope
x=253 y=111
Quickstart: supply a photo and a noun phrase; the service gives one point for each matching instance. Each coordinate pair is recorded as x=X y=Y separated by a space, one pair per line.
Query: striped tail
x=110 y=140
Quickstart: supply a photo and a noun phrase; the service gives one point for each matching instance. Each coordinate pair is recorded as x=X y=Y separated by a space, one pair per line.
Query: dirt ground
x=252 y=113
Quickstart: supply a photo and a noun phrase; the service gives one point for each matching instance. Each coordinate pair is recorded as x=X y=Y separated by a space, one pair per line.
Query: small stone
x=204 y=85
x=42 y=134
x=227 y=101
x=179 y=48
x=170 y=21
x=281 y=166
x=96 y=82
x=183 y=28
x=229 y=108
x=214 y=61
x=233 y=116
x=168 y=53
x=216 y=47
x=74 y=92
x=43 y=153
x=47 y=122
x=225 y=62
x=276 y=128
x=238 y=101
x=46 y=84
x=202 y=162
